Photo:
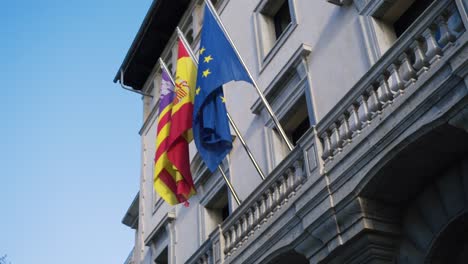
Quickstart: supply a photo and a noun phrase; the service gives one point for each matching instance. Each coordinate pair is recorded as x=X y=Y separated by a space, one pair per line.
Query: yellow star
x=208 y=59
x=202 y=50
x=197 y=91
x=206 y=73
x=223 y=99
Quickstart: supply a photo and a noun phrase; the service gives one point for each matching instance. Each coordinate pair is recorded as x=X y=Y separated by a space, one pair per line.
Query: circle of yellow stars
x=205 y=73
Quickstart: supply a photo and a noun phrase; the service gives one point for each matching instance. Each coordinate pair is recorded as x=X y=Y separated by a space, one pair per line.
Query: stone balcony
x=302 y=204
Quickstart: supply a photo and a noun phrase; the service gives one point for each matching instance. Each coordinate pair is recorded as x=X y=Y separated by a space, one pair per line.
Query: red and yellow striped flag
x=164 y=174
x=181 y=129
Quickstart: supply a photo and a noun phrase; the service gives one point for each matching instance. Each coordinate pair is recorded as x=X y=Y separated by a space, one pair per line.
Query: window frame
x=377 y=27
x=268 y=44
x=281 y=105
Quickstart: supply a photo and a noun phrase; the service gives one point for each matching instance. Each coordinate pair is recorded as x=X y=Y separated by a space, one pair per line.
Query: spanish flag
x=181 y=128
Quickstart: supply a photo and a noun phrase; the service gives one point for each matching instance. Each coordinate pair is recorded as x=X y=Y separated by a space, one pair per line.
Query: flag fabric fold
x=218 y=64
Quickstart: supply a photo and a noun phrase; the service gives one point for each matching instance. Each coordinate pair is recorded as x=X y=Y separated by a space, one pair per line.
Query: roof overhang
x=131 y=217
x=151 y=39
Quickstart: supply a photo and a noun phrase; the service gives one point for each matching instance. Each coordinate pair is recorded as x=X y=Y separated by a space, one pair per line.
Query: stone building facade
x=373 y=94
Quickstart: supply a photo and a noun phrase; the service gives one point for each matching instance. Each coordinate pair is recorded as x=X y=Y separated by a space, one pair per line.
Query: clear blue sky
x=70 y=149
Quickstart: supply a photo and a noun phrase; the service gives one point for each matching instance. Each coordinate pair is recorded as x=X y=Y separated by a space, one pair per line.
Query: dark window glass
x=297 y=133
x=410 y=15
x=225 y=211
x=282 y=18
x=162 y=258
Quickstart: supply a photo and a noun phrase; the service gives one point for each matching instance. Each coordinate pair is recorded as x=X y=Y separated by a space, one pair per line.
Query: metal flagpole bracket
x=260 y=93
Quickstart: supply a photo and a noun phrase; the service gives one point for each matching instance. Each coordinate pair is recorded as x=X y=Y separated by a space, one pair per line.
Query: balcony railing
x=413 y=55
x=281 y=185
x=275 y=193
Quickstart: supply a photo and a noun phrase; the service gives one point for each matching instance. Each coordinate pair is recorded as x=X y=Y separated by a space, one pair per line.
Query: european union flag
x=218 y=64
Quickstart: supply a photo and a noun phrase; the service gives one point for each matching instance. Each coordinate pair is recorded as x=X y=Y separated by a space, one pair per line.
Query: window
x=163 y=257
x=387 y=21
x=217 y=210
x=290 y=97
x=410 y=15
x=281 y=19
x=296 y=122
x=274 y=21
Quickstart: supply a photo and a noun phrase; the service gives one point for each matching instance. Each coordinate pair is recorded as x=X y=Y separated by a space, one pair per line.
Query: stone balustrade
x=204 y=254
x=414 y=54
x=210 y=251
x=264 y=202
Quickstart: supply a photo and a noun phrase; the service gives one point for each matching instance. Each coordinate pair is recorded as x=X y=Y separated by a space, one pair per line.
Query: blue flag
x=218 y=64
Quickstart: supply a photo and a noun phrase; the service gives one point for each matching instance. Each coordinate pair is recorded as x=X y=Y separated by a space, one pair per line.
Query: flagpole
x=234 y=194
x=228 y=183
x=260 y=93
x=231 y=121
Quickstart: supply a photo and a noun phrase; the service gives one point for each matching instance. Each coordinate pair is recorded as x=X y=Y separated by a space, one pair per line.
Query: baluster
x=421 y=63
x=446 y=36
x=290 y=182
x=227 y=241
x=353 y=121
x=244 y=227
x=373 y=104
x=454 y=21
x=298 y=174
x=345 y=133
x=251 y=220
x=408 y=74
x=234 y=237
x=275 y=197
x=239 y=233
x=433 y=52
x=383 y=92
x=258 y=213
x=334 y=139
x=230 y=242
x=363 y=112
x=326 y=144
x=269 y=203
x=394 y=81
x=283 y=188
x=265 y=207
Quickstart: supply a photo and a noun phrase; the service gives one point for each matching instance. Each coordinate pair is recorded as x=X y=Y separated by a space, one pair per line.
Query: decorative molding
x=157 y=204
x=275 y=85
x=161 y=227
x=131 y=217
x=277 y=46
x=374 y=8
x=150 y=120
x=339 y=2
